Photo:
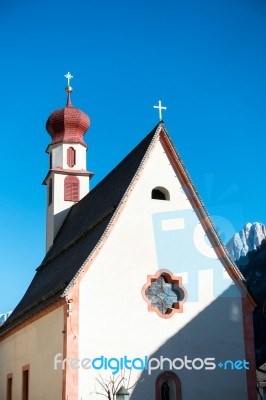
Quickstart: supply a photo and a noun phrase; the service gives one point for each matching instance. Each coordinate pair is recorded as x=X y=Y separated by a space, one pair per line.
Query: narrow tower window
x=71 y=157
x=50 y=192
x=160 y=193
x=25 y=382
x=71 y=188
x=9 y=387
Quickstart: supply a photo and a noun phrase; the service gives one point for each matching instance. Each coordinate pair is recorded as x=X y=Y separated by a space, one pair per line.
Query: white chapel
x=136 y=297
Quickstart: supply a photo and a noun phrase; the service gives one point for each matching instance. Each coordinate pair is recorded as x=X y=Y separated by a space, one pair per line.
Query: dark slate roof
x=78 y=236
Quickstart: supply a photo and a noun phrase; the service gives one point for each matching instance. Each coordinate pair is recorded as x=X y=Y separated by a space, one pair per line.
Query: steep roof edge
x=196 y=203
x=98 y=187
x=157 y=131
x=54 y=295
x=204 y=217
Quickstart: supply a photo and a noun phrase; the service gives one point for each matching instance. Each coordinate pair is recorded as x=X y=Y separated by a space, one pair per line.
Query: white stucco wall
x=59 y=156
x=36 y=345
x=114 y=319
x=59 y=208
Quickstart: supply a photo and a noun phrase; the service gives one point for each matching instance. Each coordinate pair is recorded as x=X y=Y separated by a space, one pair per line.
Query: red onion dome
x=68 y=124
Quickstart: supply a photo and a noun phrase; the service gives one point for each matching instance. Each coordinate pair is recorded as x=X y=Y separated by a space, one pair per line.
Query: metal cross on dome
x=68 y=76
x=160 y=107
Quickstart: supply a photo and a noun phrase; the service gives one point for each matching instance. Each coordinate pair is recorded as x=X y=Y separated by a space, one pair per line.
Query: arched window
x=165 y=390
x=50 y=192
x=71 y=157
x=71 y=188
x=168 y=387
x=160 y=193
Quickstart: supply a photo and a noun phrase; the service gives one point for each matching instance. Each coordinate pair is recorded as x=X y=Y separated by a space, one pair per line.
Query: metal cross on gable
x=68 y=76
x=160 y=107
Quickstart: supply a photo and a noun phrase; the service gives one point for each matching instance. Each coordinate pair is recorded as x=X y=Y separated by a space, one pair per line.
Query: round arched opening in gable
x=160 y=193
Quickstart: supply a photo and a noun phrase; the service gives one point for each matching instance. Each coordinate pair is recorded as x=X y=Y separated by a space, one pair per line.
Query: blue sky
x=205 y=60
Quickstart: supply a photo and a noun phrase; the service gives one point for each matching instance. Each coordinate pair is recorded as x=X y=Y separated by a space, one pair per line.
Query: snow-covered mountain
x=249 y=238
x=3 y=317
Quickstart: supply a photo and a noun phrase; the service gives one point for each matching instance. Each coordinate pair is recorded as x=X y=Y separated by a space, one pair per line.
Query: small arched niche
x=168 y=386
x=160 y=193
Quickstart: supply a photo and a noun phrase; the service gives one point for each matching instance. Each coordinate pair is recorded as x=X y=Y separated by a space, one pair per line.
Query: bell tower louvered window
x=71 y=186
x=71 y=157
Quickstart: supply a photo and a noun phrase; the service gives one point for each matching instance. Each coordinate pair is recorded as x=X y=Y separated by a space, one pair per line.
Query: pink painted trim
x=71 y=345
x=72 y=172
x=64 y=351
x=52 y=146
x=249 y=349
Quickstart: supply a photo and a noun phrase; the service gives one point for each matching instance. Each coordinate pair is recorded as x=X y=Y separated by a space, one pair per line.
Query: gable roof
x=78 y=236
x=84 y=226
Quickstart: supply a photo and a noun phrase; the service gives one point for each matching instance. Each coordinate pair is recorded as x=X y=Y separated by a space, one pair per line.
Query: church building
x=136 y=297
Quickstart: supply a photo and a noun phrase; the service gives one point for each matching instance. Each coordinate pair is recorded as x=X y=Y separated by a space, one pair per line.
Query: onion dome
x=68 y=124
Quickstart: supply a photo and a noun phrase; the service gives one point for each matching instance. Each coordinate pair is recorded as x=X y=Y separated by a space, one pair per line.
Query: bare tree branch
x=112 y=385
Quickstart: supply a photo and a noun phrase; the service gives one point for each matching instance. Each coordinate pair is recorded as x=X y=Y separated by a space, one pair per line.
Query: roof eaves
x=31 y=310
x=73 y=241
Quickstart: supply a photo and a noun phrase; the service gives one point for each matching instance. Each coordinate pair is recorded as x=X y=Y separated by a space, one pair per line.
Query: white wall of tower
x=59 y=207
x=59 y=156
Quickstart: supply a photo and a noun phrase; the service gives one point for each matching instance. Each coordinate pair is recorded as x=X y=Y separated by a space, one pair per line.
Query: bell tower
x=68 y=179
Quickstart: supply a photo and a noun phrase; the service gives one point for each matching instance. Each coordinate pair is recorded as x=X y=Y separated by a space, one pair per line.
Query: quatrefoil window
x=164 y=293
